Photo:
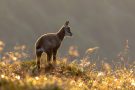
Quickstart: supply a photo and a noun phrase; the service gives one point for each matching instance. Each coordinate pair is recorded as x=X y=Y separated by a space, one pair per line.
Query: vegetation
x=66 y=75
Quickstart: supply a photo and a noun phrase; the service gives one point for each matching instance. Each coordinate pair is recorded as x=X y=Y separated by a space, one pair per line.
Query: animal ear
x=66 y=23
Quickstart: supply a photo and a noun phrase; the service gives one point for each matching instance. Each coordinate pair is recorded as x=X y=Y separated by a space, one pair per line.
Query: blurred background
x=106 y=24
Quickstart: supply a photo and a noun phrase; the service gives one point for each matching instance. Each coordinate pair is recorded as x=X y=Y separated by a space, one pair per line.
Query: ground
x=65 y=76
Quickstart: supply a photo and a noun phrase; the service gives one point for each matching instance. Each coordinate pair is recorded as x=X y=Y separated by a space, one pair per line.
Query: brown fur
x=49 y=43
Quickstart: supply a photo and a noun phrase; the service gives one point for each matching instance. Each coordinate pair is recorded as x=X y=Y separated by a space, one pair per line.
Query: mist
x=103 y=23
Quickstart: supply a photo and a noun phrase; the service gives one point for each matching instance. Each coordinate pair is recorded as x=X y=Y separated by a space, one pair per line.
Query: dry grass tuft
x=74 y=75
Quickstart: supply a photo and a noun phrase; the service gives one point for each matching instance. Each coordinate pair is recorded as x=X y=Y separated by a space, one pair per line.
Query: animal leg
x=38 y=54
x=54 y=55
x=49 y=56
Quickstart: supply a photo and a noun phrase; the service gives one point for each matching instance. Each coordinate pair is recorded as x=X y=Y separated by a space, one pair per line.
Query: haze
x=103 y=23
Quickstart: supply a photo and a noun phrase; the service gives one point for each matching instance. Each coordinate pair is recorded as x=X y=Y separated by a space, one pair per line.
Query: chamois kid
x=50 y=42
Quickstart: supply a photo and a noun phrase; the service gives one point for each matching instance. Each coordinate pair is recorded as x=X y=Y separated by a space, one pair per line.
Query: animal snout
x=71 y=34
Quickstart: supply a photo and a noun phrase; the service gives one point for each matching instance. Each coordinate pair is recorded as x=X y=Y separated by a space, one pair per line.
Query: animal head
x=66 y=28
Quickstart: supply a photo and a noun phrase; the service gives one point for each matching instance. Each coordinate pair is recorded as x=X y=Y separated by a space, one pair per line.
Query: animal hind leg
x=38 y=54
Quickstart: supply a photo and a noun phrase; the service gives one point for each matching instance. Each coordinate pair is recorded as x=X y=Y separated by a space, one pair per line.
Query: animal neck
x=61 y=34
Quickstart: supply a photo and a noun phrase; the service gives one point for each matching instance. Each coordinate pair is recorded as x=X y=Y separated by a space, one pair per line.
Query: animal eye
x=68 y=30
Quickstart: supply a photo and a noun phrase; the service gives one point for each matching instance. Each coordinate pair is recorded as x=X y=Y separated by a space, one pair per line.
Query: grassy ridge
x=65 y=76
x=68 y=73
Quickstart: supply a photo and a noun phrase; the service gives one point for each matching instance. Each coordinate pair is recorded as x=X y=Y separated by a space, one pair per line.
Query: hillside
x=68 y=74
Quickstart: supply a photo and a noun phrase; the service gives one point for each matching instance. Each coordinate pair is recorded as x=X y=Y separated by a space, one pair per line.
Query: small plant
x=67 y=75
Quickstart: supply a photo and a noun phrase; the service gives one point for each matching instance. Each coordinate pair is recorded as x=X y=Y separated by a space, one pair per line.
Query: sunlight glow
x=2 y=76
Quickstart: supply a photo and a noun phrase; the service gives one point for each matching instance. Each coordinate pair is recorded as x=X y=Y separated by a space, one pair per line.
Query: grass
x=65 y=76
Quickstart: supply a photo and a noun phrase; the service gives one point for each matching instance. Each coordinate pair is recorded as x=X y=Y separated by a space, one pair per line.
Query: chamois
x=50 y=42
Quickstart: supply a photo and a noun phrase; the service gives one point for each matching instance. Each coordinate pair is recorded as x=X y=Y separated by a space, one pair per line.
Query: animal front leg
x=54 y=56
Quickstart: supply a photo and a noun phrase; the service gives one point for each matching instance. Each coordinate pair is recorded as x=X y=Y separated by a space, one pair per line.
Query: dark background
x=103 y=23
